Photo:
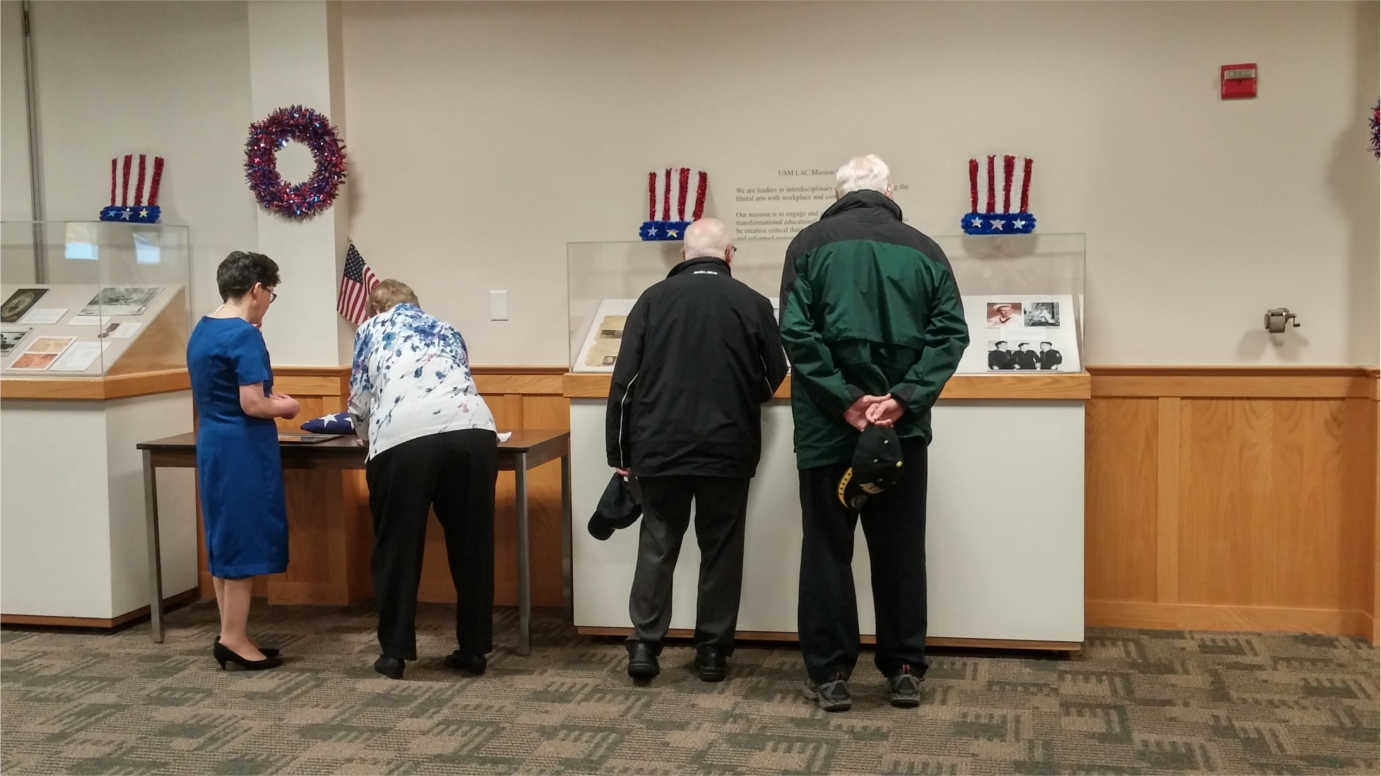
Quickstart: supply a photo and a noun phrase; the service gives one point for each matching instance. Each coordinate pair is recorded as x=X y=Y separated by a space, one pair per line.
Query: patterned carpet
x=1132 y=702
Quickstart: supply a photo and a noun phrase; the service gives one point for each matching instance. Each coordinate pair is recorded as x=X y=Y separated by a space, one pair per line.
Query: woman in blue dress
x=238 y=466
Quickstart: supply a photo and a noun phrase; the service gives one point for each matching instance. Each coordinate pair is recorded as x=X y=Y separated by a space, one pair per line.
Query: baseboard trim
x=1221 y=617
x=96 y=622
x=792 y=637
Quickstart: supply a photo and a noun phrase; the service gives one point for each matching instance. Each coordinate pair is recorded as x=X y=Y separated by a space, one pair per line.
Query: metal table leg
x=155 y=556
x=524 y=570
x=567 y=586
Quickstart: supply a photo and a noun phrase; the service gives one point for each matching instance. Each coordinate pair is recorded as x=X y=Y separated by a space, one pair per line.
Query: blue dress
x=239 y=469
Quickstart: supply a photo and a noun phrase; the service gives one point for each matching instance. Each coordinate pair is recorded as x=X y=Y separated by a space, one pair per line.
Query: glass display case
x=92 y=298
x=1023 y=295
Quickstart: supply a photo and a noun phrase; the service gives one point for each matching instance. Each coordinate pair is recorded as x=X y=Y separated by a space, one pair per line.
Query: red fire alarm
x=1239 y=81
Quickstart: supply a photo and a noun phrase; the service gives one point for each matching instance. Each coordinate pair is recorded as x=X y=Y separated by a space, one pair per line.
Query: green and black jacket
x=869 y=306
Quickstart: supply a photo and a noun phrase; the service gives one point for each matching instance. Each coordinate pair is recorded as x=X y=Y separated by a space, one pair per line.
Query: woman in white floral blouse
x=431 y=444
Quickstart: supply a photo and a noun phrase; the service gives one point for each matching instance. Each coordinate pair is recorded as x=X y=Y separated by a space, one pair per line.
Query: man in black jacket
x=1025 y=357
x=1050 y=357
x=700 y=353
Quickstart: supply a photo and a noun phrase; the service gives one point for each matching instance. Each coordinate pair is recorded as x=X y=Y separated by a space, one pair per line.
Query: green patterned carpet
x=1132 y=702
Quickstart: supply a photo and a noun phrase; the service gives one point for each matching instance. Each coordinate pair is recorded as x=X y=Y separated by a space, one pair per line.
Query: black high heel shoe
x=268 y=651
x=224 y=654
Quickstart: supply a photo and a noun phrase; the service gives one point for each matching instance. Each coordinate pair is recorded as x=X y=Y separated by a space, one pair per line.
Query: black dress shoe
x=642 y=661
x=224 y=654
x=470 y=664
x=268 y=651
x=391 y=667
x=711 y=664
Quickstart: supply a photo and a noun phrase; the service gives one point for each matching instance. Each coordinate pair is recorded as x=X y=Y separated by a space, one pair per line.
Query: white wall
x=484 y=137
x=165 y=78
x=15 y=198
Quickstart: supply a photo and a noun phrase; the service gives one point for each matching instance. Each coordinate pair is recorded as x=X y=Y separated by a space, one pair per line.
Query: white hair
x=863 y=172
x=707 y=237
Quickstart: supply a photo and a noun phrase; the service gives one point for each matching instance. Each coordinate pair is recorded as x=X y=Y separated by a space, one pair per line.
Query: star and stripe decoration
x=356 y=281
x=141 y=211
x=679 y=194
x=990 y=220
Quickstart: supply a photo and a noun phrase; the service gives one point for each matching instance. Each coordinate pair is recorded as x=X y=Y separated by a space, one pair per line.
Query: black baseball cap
x=619 y=507
x=875 y=467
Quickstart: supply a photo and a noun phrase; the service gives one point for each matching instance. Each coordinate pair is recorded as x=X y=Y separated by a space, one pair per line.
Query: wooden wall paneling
x=1120 y=499
x=1167 y=492
x=1227 y=529
x=1318 y=559
x=1363 y=502
x=544 y=502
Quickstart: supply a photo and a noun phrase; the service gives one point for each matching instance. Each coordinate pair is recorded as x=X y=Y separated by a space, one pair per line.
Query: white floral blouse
x=410 y=377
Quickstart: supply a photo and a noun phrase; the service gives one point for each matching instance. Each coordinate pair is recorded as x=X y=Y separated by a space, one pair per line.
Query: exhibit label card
x=77 y=358
x=45 y=315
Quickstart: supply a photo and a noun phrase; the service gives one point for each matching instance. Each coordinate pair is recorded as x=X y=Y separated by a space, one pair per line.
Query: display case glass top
x=1023 y=296
x=83 y=300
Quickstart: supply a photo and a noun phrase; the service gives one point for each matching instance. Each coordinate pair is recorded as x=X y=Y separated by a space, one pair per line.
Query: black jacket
x=700 y=353
x=1025 y=359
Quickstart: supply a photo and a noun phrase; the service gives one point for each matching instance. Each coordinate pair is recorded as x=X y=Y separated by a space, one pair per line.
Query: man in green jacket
x=873 y=325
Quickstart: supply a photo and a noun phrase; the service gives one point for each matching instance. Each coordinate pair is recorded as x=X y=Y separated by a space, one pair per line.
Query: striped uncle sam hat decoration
x=990 y=220
x=140 y=211
x=675 y=198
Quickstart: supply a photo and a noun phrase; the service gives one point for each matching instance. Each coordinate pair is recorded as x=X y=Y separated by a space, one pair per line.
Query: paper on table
x=87 y=320
x=504 y=436
x=44 y=315
x=119 y=330
x=77 y=358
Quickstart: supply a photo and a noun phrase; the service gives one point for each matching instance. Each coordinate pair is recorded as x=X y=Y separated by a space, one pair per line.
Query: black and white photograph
x=19 y=303
x=1000 y=355
x=10 y=337
x=1042 y=313
x=1024 y=355
x=120 y=300
x=1003 y=314
x=1048 y=357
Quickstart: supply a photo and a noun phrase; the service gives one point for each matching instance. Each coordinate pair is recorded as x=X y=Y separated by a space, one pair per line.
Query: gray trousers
x=721 y=504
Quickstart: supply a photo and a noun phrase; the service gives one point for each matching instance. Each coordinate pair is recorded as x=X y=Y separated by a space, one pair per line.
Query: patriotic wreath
x=268 y=136
x=1375 y=122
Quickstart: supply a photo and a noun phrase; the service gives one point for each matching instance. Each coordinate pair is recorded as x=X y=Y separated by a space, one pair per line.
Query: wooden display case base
x=169 y=602
x=934 y=641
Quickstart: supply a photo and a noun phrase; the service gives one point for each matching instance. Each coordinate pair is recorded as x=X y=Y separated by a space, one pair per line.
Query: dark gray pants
x=721 y=504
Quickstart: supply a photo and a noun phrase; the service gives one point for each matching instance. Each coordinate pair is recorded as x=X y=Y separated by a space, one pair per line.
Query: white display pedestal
x=1005 y=529
x=72 y=529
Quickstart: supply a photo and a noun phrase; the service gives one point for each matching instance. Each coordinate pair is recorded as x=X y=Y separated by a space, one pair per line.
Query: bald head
x=707 y=237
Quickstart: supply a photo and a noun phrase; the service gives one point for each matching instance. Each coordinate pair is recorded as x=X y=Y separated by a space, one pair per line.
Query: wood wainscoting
x=1232 y=499
x=1216 y=498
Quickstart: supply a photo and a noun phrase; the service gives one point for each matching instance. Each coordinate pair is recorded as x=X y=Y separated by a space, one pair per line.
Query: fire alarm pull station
x=1239 y=81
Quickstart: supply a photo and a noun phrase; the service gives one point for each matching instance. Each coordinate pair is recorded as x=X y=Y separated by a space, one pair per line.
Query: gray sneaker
x=904 y=688
x=832 y=695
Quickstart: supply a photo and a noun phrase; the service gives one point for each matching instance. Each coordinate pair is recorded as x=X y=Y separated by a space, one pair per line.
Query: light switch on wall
x=498 y=305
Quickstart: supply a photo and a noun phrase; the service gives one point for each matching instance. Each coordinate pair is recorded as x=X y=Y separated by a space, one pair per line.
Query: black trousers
x=721 y=504
x=894 y=527
x=453 y=473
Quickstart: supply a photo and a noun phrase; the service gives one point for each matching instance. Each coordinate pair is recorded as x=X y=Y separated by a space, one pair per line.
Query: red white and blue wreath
x=1375 y=121
x=268 y=136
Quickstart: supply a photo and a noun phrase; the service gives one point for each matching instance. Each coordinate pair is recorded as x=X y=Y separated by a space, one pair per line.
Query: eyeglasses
x=273 y=295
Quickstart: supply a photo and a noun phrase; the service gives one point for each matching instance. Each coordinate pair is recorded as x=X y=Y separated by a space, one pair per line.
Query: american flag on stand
x=355 y=284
